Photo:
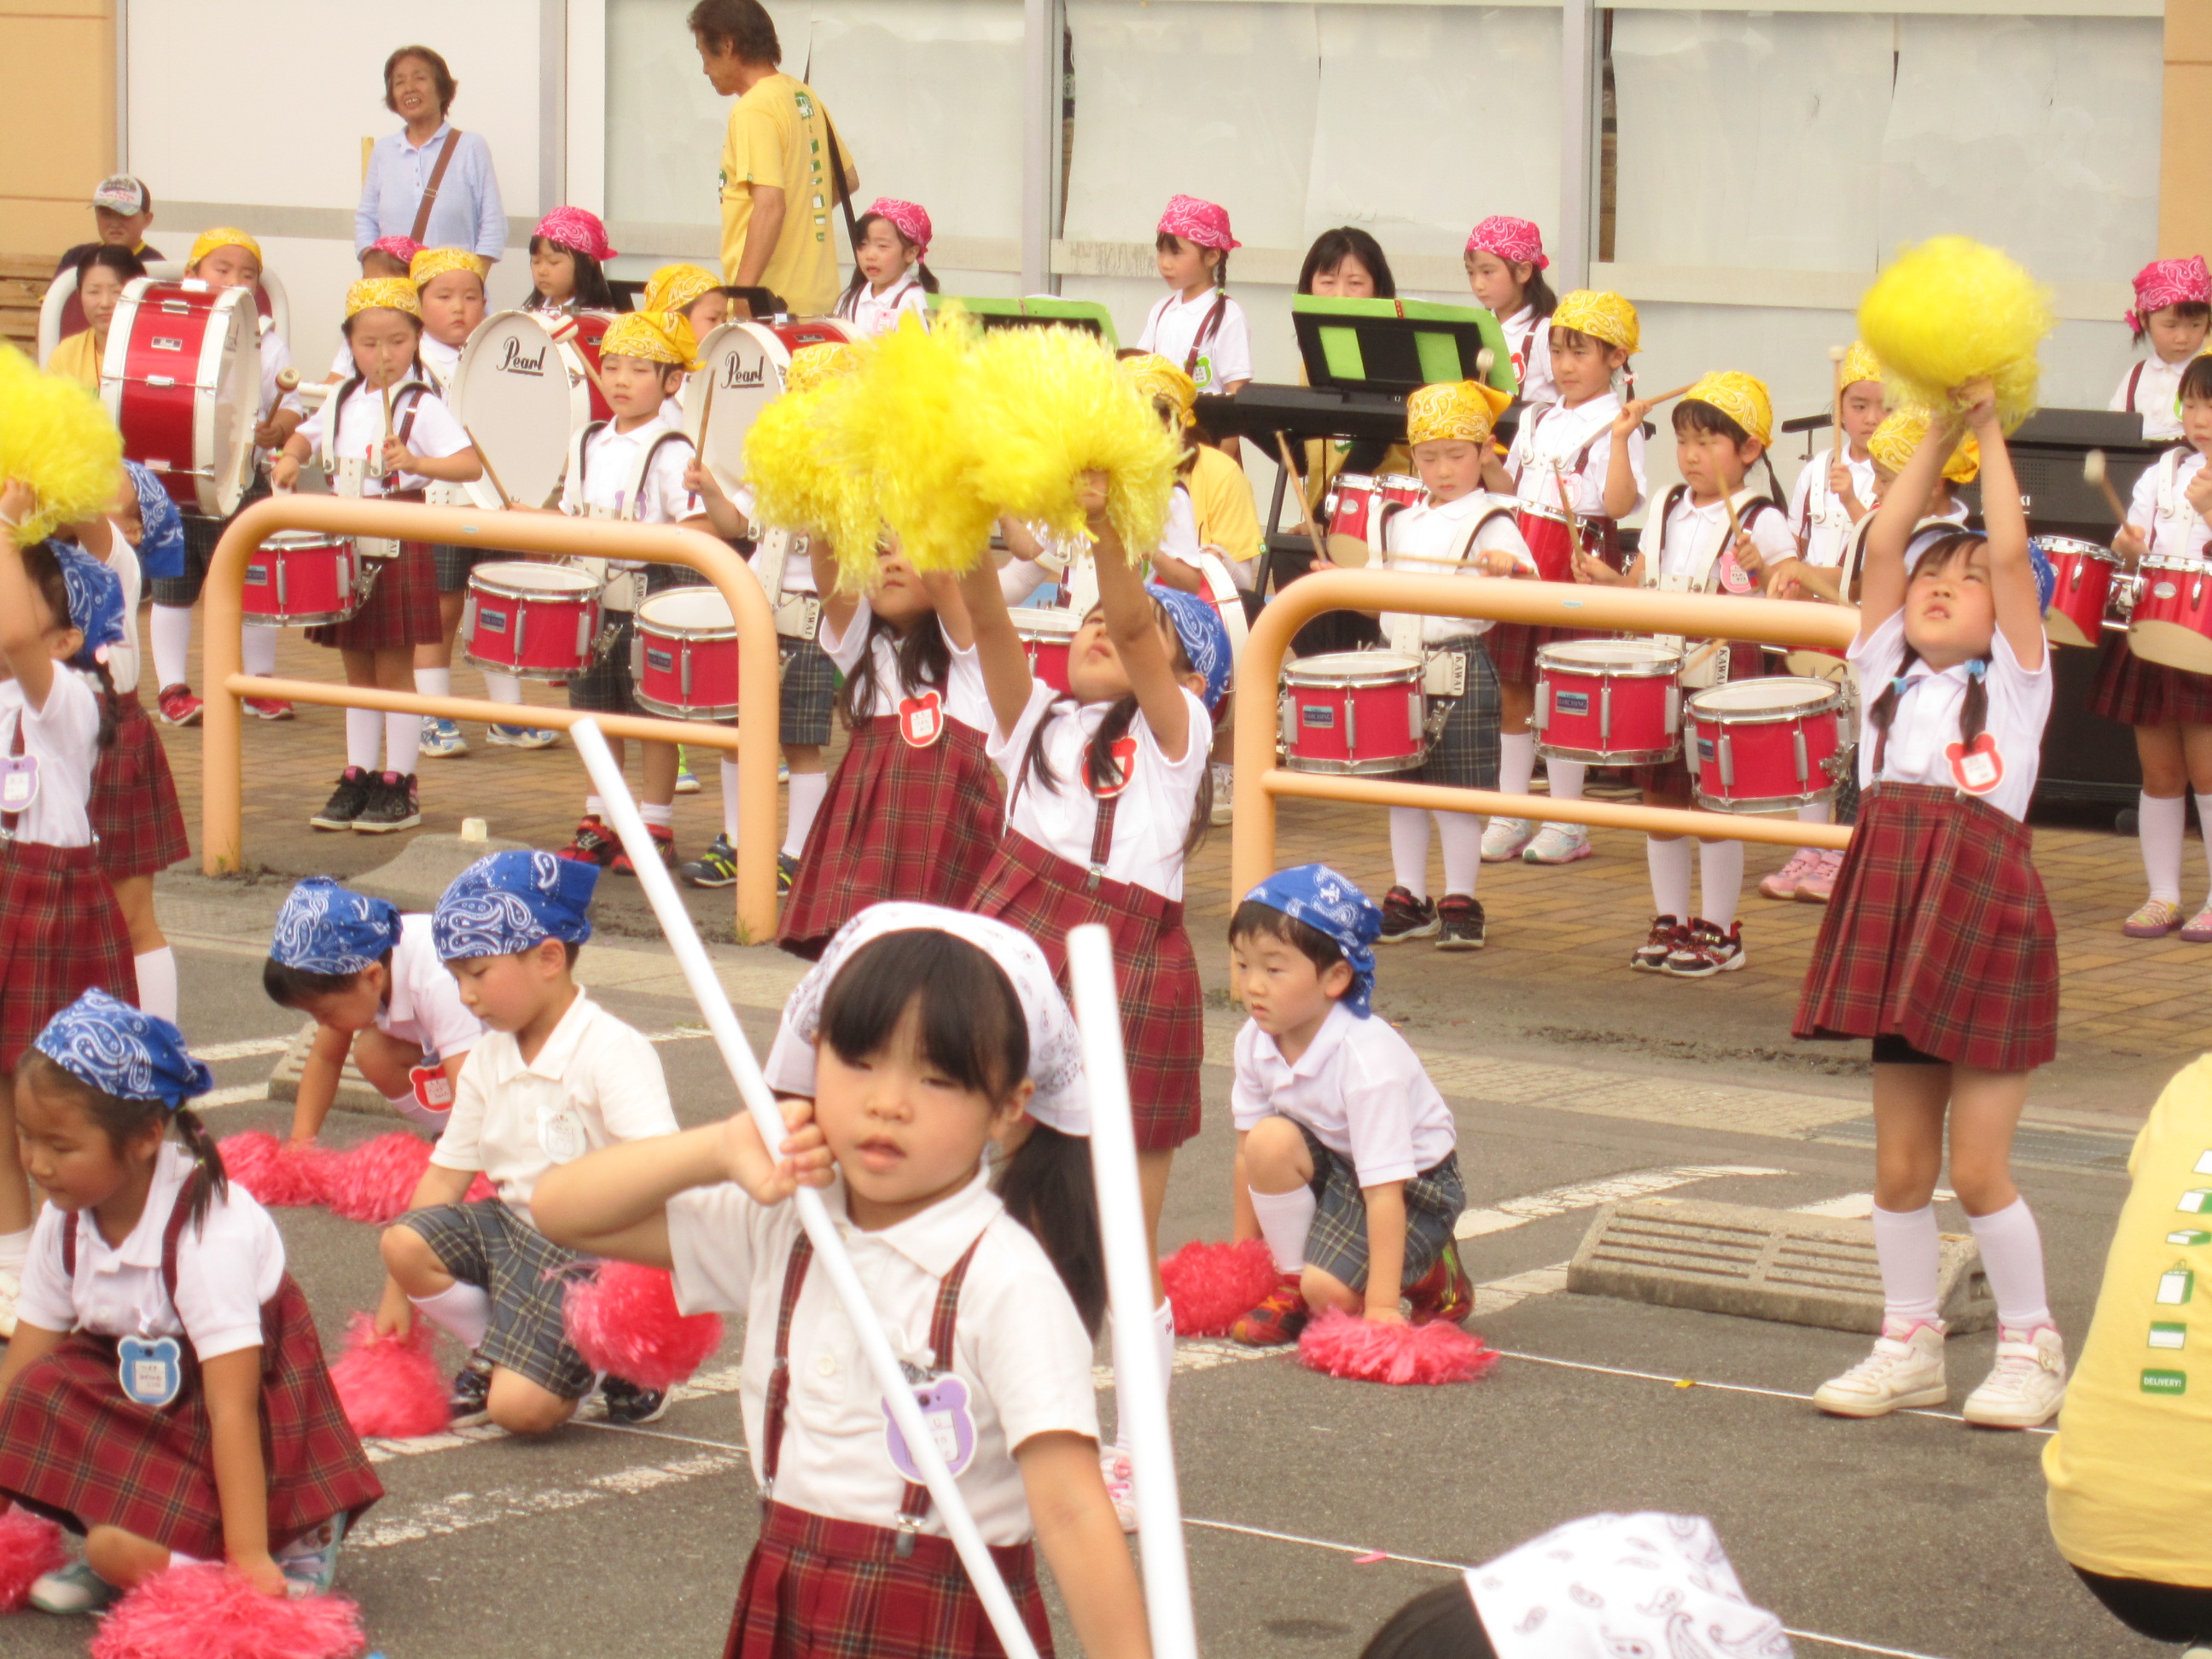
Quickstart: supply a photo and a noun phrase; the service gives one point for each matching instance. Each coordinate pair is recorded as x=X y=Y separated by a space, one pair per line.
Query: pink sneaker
x=2154 y=919
x=1817 y=887
x=1121 y=1486
x=1782 y=884
x=2199 y=929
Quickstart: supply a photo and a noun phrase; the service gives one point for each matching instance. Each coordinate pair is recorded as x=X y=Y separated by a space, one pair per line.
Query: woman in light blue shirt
x=466 y=212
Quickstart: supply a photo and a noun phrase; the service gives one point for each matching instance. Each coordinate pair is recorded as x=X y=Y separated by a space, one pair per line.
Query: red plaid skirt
x=1938 y=932
x=75 y=1448
x=134 y=799
x=1162 y=1033
x=61 y=933
x=2138 y=693
x=899 y=822
x=1512 y=646
x=401 y=610
x=818 y=1588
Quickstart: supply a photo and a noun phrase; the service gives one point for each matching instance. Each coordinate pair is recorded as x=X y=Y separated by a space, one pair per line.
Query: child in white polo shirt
x=370 y=979
x=1346 y=1152
x=555 y=1077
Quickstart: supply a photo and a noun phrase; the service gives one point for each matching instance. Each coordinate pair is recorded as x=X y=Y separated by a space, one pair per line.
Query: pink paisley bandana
x=2164 y=283
x=911 y=218
x=1517 y=241
x=402 y=248
x=578 y=231
x=1197 y=223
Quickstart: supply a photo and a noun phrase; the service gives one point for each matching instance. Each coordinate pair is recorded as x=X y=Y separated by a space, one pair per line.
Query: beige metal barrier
x=754 y=738
x=1544 y=605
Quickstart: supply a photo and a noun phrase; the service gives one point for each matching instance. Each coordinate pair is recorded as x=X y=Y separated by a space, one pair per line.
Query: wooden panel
x=2189 y=31
x=2184 y=179
x=66 y=108
x=99 y=10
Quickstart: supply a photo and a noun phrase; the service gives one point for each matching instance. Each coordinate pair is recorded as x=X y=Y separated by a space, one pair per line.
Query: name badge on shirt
x=1977 y=769
x=560 y=1134
x=19 y=782
x=944 y=1402
x=150 y=1369
x=1734 y=578
x=433 y=1090
x=1124 y=751
x=921 y=720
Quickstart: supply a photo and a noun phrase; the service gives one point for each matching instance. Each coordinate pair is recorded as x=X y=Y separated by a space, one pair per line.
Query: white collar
x=891 y=295
x=444 y=127
x=142 y=1246
x=1335 y=1031
x=560 y=1047
x=936 y=1239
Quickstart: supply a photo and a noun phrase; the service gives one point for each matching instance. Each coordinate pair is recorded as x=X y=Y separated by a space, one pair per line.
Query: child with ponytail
x=1198 y=326
x=569 y=253
x=891 y=275
x=1505 y=265
x=1938 y=944
x=2172 y=312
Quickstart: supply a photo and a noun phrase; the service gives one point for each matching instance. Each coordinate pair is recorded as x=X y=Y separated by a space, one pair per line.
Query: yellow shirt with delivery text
x=779 y=136
x=2131 y=1470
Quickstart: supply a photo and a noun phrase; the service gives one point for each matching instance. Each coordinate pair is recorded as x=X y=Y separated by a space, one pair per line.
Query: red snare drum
x=744 y=361
x=298 y=578
x=1358 y=507
x=1765 y=745
x=577 y=337
x=2075 y=614
x=182 y=378
x=1049 y=635
x=2172 y=620
x=540 y=621
x=1545 y=529
x=683 y=655
x=513 y=394
x=1354 y=711
x=1617 y=703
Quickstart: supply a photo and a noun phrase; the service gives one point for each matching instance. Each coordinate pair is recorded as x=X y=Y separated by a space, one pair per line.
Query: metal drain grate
x=2086 y=1149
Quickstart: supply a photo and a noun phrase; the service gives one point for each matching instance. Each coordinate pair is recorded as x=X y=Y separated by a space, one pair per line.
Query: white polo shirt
x=1818 y=514
x=1693 y=539
x=227 y=1267
x=123 y=559
x=1927 y=719
x=1427 y=540
x=596 y=1082
x=1020 y=1346
x=63 y=738
x=1358 y=1086
x=874 y=313
x=1556 y=434
x=1154 y=815
x=1172 y=330
x=358 y=423
x=1528 y=339
x=962 y=695
x=425 y=1007
x=2160 y=511
x=611 y=461
x=2155 y=394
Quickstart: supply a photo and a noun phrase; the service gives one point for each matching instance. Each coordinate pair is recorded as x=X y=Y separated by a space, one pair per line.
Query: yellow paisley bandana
x=818 y=364
x=437 y=261
x=1454 y=409
x=675 y=287
x=383 y=294
x=1860 y=364
x=1740 y=397
x=223 y=236
x=1601 y=315
x=1900 y=433
x=652 y=336
x=1159 y=379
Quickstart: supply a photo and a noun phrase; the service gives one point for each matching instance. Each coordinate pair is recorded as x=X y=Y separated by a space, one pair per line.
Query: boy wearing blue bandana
x=556 y=1076
x=1345 y=1150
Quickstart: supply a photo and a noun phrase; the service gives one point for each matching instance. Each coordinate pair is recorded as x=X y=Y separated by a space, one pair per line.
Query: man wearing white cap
x=122 y=207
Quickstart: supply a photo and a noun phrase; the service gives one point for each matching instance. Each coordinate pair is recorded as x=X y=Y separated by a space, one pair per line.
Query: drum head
x=514 y=399
x=1777 y=695
x=232 y=350
x=1349 y=551
x=1609 y=656
x=2055 y=546
x=552 y=581
x=744 y=363
x=1354 y=668
x=688 y=611
x=296 y=538
x=1034 y=623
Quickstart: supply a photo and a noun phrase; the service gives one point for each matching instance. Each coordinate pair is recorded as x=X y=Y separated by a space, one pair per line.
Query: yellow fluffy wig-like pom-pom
x=55 y=437
x=1050 y=405
x=1951 y=311
x=797 y=483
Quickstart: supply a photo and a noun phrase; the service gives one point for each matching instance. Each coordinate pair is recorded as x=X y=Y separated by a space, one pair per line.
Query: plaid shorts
x=453 y=564
x=606 y=687
x=486 y=1243
x=1465 y=753
x=810 y=688
x=1337 y=1242
x=200 y=537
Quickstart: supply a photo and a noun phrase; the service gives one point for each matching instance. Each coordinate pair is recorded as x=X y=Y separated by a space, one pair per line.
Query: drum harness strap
x=2135 y=379
x=8 y=820
x=1716 y=651
x=626 y=572
x=1207 y=330
x=404 y=405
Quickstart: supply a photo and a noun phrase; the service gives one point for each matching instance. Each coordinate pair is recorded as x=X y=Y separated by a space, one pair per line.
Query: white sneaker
x=11 y=1286
x=73 y=1588
x=1904 y=1370
x=2026 y=1385
x=1557 y=843
x=1121 y=1486
x=1225 y=784
x=1504 y=838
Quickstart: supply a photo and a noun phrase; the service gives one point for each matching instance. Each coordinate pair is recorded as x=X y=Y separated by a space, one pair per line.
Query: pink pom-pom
x=480 y=1189
x=1211 y=1286
x=623 y=1320
x=192 y=1613
x=390 y=1385
x=376 y=1179
x=1344 y=1345
x=29 y=1545
x=276 y=1171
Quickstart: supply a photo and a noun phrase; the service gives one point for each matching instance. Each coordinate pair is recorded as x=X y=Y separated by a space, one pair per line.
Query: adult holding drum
x=429 y=181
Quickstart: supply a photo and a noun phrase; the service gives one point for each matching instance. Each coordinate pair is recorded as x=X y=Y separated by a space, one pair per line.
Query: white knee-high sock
x=2159 y=826
x=1516 y=762
x=1161 y=1331
x=433 y=682
x=1669 y=862
x=808 y=791
x=1906 y=1244
x=257 y=653
x=1720 y=881
x=730 y=800
x=1566 y=778
x=402 y=743
x=157 y=982
x=2204 y=830
x=1461 y=835
x=173 y=643
x=1409 y=849
x=502 y=687
x=462 y=1310
x=364 y=731
x=2012 y=1255
x=415 y=1112
x=1284 y=1219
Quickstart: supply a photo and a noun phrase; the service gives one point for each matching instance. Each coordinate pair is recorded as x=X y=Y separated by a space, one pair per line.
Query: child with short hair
x=165 y=1394
x=370 y=979
x=891 y=275
x=554 y=1077
x=1505 y=265
x=1346 y=1152
x=569 y=253
x=2173 y=310
x=1198 y=326
x=1834 y=492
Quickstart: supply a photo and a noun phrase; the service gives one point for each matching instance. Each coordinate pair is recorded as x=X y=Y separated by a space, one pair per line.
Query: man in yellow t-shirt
x=778 y=200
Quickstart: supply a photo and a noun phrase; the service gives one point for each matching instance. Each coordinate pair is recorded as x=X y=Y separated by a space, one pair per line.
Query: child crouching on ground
x=1348 y=1152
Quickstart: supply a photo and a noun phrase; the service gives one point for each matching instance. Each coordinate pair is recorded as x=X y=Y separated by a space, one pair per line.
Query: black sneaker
x=716 y=867
x=628 y=1403
x=1667 y=935
x=1461 y=918
x=1406 y=917
x=392 y=805
x=787 y=873
x=592 y=845
x=469 y=1402
x=346 y=801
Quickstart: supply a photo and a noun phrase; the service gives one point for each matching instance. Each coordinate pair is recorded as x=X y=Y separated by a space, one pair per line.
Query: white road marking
x=1857 y=1207
x=462 y=1511
x=1589 y=1194
x=215 y=1053
x=239 y=1096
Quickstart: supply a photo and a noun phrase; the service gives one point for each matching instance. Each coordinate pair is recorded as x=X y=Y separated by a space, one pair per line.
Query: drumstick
x=2093 y=472
x=563 y=331
x=1312 y=530
x=1667 y=396
x=1574 y=526
x=288 y=380
x=1704 y=654
x=1835 y=356
x=387 y=420
x=504 y=499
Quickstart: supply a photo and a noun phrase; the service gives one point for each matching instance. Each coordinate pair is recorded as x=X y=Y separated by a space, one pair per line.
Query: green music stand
x=1396 y=345
x=1041 y=311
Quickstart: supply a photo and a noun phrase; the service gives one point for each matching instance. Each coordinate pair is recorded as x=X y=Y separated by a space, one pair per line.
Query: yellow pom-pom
x=1951 y=311
x=797 y=483
x=1051 y=405
x=55 y=436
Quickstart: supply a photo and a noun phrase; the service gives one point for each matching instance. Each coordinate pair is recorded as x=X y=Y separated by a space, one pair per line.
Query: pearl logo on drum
x=513 y=362
x=738 y=376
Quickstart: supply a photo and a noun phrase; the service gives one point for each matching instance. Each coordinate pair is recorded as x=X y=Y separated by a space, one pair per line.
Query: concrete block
x=1761 y=1264
x=426 y=866
x=355 y=1092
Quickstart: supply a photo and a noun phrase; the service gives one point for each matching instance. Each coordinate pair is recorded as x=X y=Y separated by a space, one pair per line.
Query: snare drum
x=1356 y=508
x=298 y=578
x=2075 y=614
x=1765 y=745
x=538 y=621
x=2173 y=621
x=182 y=379
x=1048 y=635
x=1616 y=703
x=1354 y=711
x=683 y=655
x=744 y=362
x=513 y=393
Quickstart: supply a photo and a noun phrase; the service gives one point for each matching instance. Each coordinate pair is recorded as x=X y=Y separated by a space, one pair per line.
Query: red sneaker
x=592 y=845
x=178 y=706
x=1276 y=1321
x=269 y=708
x=1444 y=1294
x=664 y=841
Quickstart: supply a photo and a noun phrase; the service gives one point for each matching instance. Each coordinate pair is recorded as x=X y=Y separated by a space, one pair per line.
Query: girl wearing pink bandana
x=569 y=253
x=1198 y=327
x=891 y=274
x=2173 y=310
x=1505 y=264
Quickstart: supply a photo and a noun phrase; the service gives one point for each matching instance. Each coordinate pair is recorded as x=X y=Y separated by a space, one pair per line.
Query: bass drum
x=515 y=395
x=744 y=363
x=182 y=379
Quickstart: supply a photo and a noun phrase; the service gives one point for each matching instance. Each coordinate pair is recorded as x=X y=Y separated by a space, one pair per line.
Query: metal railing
x=1260 y=780
x=754 y=738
